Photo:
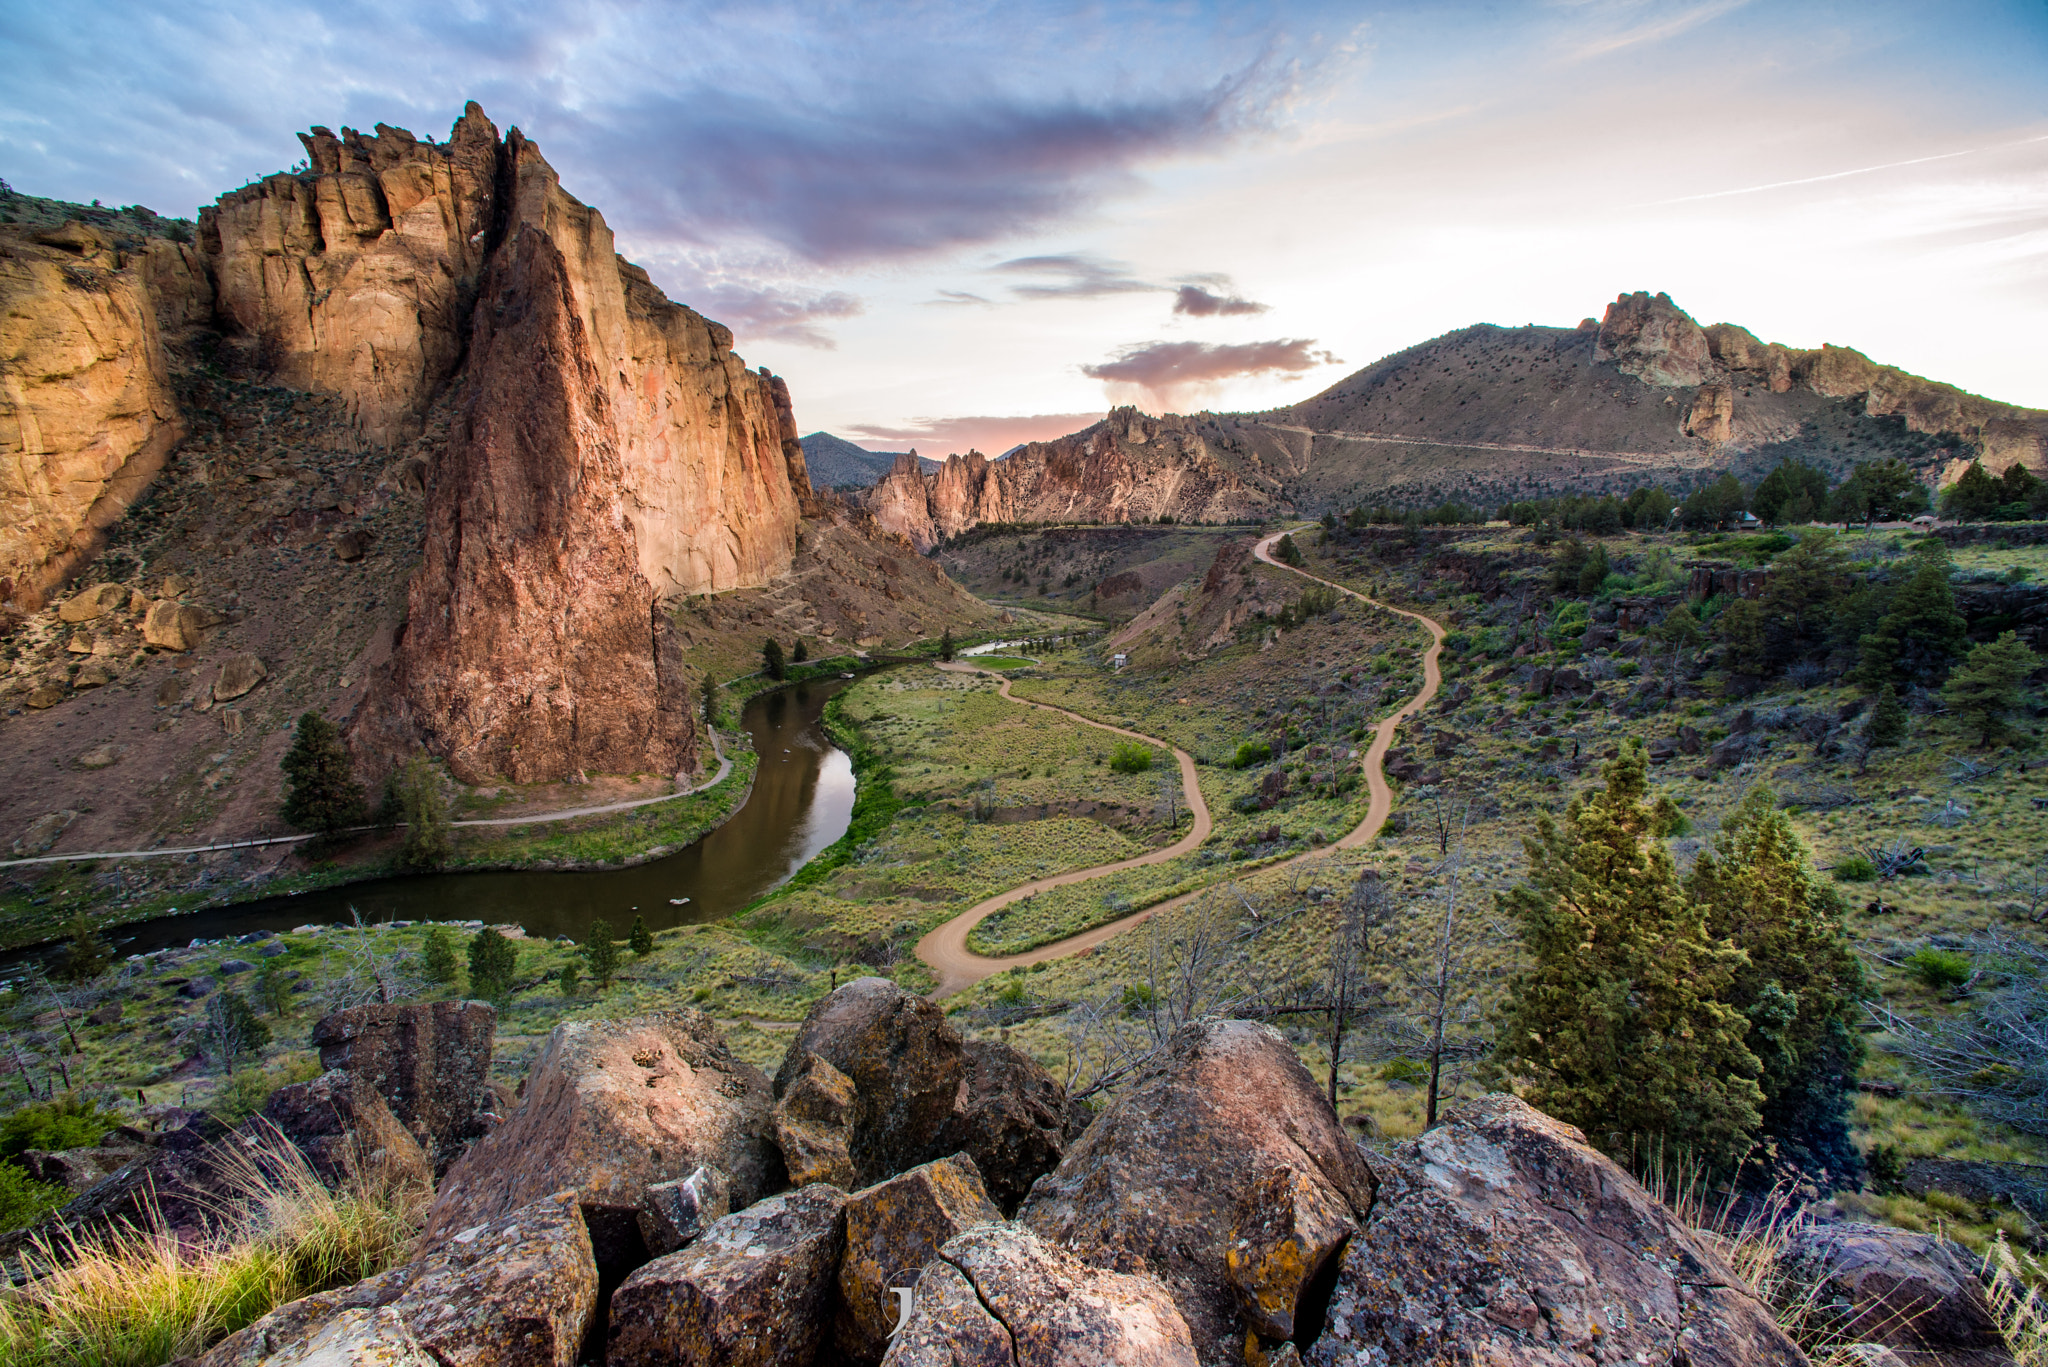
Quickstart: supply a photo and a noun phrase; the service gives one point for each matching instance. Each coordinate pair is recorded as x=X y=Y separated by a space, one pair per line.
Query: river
x=802 y=801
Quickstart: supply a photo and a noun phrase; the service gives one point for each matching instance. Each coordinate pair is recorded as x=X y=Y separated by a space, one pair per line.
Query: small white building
x=1117 y=660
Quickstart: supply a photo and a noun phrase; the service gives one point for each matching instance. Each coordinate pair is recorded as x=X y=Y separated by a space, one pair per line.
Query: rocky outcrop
x=87 y=416
x=344 y=1128
x=1011 y=1120
x=893 y=1229
x=674 y=1213
x=514 y=1292
x=1502 y=1236
x=1711 y=415
x=1225 y=1137
x=1917 y=1294
x=1653 y=339
x=905 y=1061
x=430 y=1061
x=999 y=1296
x=1127 y=468
x=612 y=1108
x=754 y=1290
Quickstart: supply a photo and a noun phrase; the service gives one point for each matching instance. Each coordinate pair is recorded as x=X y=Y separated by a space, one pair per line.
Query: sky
x=971 y=224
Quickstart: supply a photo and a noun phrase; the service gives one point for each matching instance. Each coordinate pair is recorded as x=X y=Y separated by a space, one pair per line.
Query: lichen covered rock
x=893 y=1229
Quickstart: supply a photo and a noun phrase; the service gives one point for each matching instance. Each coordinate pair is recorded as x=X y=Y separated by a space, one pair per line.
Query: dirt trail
x=945 y=949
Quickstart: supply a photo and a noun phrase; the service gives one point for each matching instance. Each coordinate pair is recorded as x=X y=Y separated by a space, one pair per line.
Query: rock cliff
x=1127 y=468
x=87 y=415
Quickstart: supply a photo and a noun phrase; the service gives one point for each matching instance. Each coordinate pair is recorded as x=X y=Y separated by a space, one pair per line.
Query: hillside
x=836 y=463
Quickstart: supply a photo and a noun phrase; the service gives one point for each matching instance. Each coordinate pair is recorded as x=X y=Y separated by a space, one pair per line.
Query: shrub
x=569 y=978
x=641 y=938
x=66 y=1122
x=1939 y=968
x=1855 y=869
x=1403 y=1070
x=1250 y=753
x=23 y=1200
x=1129 y=757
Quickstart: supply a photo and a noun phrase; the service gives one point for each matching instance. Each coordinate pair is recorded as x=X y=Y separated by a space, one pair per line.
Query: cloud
x=1171 y=372
x=991 y=436
x=958 y=299
x=1073 y=275
x=770 y=312
x=1197 y=302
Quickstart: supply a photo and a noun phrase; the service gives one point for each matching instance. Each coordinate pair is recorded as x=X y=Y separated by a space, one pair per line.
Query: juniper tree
x=1922 y=634
x=772 y=661
x=1887 y=724
x=601 y=952
x=640 y=938
x=492 y=962
x=438 y=958
x=233 y=1031
x=1620 y=1025
x=1799 y=987
x=87 y=956
x=946 y=644
x=428 y=838
x=321 y=792
x=1986 y=688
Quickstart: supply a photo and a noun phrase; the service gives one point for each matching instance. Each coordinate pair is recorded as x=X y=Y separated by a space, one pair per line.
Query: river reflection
x=802 y=801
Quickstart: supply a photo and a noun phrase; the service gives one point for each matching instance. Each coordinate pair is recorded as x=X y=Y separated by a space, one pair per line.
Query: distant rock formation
x=87 y=416
x=1653 y=340
x=1127 y=468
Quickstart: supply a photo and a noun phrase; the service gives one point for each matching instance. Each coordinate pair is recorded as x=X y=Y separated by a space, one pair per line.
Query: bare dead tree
x=2029 y=883
x=1443 y=984
x=1445 y=816
x=374 y=966
x=1994 y=1058
x=1359 y=946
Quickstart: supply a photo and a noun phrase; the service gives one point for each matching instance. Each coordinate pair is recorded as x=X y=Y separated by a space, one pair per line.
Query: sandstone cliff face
x=356 y=278
x=1127 y=468
x=86 y=410
x=1653 y=340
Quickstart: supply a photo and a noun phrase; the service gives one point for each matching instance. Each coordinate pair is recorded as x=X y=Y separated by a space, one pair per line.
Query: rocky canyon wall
x=1654 y=340
x=87 y=415
x=1127 y=468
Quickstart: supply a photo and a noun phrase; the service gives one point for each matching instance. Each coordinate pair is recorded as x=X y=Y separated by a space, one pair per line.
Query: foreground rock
x=814 y=1125
x=516 y=1292
x=998 y=1296
x=754 y=1289
x=1189 y=1160
x=674 y=1213
x=1012 y=1122
x=906 y=1063
x=1917 y=1294
x=430 y=1061
x=344 y=1127
x=612 y=1108
x=892 y=1230
x=1502 y=1236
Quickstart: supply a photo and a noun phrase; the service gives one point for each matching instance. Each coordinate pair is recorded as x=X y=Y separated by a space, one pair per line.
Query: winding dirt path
x=945 y=949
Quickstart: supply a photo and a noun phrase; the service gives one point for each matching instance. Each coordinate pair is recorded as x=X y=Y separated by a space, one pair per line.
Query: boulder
x=343 y=1126
x=1913 y=1293
x=195 y=988
x=431 y=1062
x=814 y=1125
x=755 y=1288
x=80 y=1169
x=357 y=1338
x=1689 y=740
x=1170 y=1174
x=171 y=625
x=673 y=1213
x=100 y=757
x=516 y=1292
x=892 y=1230
x=906 y=1062
x=230 y=967
x=92 y=603
x=1287 y=1228
x=1502 y=1236
x=1012 y=1121
x=1001 y=1296
x=611 y=1109
x=350 y=545
x=238 y=675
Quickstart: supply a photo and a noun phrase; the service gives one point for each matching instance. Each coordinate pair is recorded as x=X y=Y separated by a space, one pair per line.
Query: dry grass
x=137 y=1297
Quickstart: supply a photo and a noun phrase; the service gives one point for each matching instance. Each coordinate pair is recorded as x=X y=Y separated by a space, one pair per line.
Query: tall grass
x=2012 y=1283
x=139 y=1296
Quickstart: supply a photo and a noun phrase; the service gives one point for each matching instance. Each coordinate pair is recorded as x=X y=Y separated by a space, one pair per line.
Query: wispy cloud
x=989 y=435
x=1072 y=275
x=1654 y=30
x=1197 y=302
x=1853 y=171
x=959 y=299
x=1169 y=373
x=766 y=311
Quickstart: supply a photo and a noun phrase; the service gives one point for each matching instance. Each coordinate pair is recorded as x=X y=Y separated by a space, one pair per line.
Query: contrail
x=1838 y=175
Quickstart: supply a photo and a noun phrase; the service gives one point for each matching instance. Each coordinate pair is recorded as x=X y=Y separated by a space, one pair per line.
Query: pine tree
x=640 y=938
x=492 y=962
x=438 y=958
x=87 y=956
x=802 y=651
x=1799 y=987
x=1887 y=724
x=429 y=840
x=1986 y=688
x=772 y=660
x=601 y=952
x=1922 y=634
x=321 y=792
x=1619 y=1026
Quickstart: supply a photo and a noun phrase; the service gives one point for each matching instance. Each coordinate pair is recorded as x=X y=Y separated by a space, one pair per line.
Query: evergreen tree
x=1567 y=565
x=429 y=839
x=273 y=988
x=640 y=938
x=710 y=691
x=1922 y=634
x=1619 y=1025
x=438 y=958
x=1286 y=552
x=1595 y=571
x=1799 y=986
x=1986 y=687
x=802 y=651
x=570 y=977
x=946 y=645
x=1887 y=724
x=1791 y=621
x=87 y=956
x=772 y=660
x=1975 y=496
x=492 y=963
x=321 y=792
x=1791 y=483
x=601 y=952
